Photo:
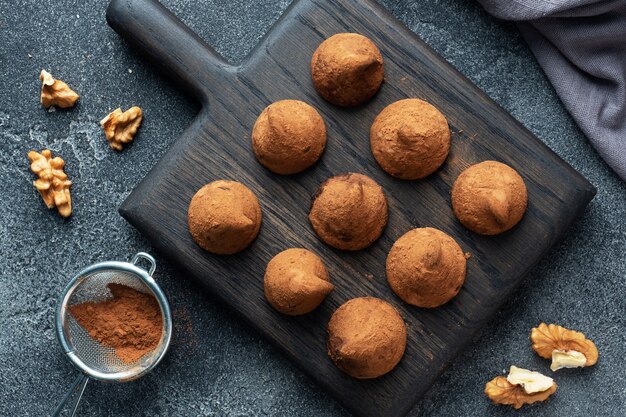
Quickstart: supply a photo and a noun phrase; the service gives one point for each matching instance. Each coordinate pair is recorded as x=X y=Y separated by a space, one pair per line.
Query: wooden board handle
x=168 y=42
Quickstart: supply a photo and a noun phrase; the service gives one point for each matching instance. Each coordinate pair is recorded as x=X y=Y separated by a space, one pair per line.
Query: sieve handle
x=147 y=257
x=75 y=392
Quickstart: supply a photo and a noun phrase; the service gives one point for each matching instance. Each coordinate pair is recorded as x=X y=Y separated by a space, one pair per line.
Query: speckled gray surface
x=218 y=366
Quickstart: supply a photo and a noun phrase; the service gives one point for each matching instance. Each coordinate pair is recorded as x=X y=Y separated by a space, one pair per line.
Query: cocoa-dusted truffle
x=347 y=69
x=410 y=139
x=349 y=211
x=296 y=282
x=224 y=217
x=366 y=337
x=288 y=137
x=489 y=198
x=426 y=267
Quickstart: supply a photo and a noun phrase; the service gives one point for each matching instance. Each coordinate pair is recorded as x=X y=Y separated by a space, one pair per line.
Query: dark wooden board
x=217 y=146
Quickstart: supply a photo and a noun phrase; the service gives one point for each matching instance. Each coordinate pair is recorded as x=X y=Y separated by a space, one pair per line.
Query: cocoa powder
x=130 y=322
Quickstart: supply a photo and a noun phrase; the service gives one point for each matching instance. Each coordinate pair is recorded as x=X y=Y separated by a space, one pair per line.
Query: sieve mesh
x=93 y=287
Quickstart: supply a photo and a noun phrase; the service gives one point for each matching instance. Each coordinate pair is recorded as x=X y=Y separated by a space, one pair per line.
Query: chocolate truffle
x=426 y=267
x=410 y=139
x=224 y=217
x=366 y=337
x=349 y=211
x=489 y=198
x=288 y=137
x=296 y=282
x=347 y=69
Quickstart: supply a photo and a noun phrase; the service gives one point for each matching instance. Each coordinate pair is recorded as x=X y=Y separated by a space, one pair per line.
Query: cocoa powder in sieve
x=130 y=322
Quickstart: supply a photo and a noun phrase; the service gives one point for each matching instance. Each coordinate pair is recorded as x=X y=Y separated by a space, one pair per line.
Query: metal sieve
x=93 y=359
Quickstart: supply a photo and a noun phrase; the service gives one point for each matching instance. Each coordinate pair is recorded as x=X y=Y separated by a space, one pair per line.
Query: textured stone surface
x=218 y=366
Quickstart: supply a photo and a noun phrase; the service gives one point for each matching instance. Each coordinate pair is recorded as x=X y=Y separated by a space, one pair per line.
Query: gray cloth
x=581 y=46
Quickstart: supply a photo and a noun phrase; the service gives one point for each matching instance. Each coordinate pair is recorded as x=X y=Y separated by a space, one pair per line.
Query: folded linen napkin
x=581 y=46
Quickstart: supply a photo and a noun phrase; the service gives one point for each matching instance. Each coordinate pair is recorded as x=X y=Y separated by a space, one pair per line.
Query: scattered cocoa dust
x=130 y=322
x=186 y=338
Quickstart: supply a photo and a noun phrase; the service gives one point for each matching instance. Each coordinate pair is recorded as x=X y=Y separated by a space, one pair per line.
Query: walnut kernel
x=567 y=359
x=532 y=382
x=569 y=343
x=120 y=128
x=501 y=391
x=56 y=92
x=52 y=183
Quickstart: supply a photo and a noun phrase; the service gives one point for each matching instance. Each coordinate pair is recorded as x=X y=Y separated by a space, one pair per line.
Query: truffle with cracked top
x=349 y=211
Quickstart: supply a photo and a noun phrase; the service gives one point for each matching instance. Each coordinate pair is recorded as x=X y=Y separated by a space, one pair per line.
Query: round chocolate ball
x=366 y=337
x=489 y=198
x=224 y=217
x=426 y=267
x=288 y=137
x=410 y=139
x=296 y=282
x=349 y=211
x=347 y=69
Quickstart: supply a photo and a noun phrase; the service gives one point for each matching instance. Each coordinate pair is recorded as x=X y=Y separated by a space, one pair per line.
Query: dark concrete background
x=217 y=365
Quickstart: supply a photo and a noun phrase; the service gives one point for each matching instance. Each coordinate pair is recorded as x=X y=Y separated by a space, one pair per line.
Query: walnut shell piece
x=55 y=92
x=366 y=337
x=296 y=282
x=501 y=391
x=349 y=211
x=224 y=217
x=426 y=267
x=288 y=137
x=52 y=184
x=410 y=139
x=120 y=127
x=489 y=198
x=347 y=69
x=549 y=338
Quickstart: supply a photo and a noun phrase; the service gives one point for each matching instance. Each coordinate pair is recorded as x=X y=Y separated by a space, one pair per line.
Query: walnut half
x=501 y=391
x=120 y=128
x=563 y=346
x=52 y=183
x=56 y=92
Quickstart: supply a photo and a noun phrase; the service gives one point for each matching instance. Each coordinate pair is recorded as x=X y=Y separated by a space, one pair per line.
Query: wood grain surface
x=217 y=146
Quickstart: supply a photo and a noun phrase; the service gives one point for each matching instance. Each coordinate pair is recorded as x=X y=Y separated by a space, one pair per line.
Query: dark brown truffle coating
x=489 y=198
x=347 y=69
x=224 y=217
x=366 y=337
x=288 y=137
x=296 y=281
x=426 y=267
x=349 y=211
x=410 y=139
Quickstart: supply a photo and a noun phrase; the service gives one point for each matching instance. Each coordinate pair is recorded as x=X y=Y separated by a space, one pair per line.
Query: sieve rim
x=61 y=314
